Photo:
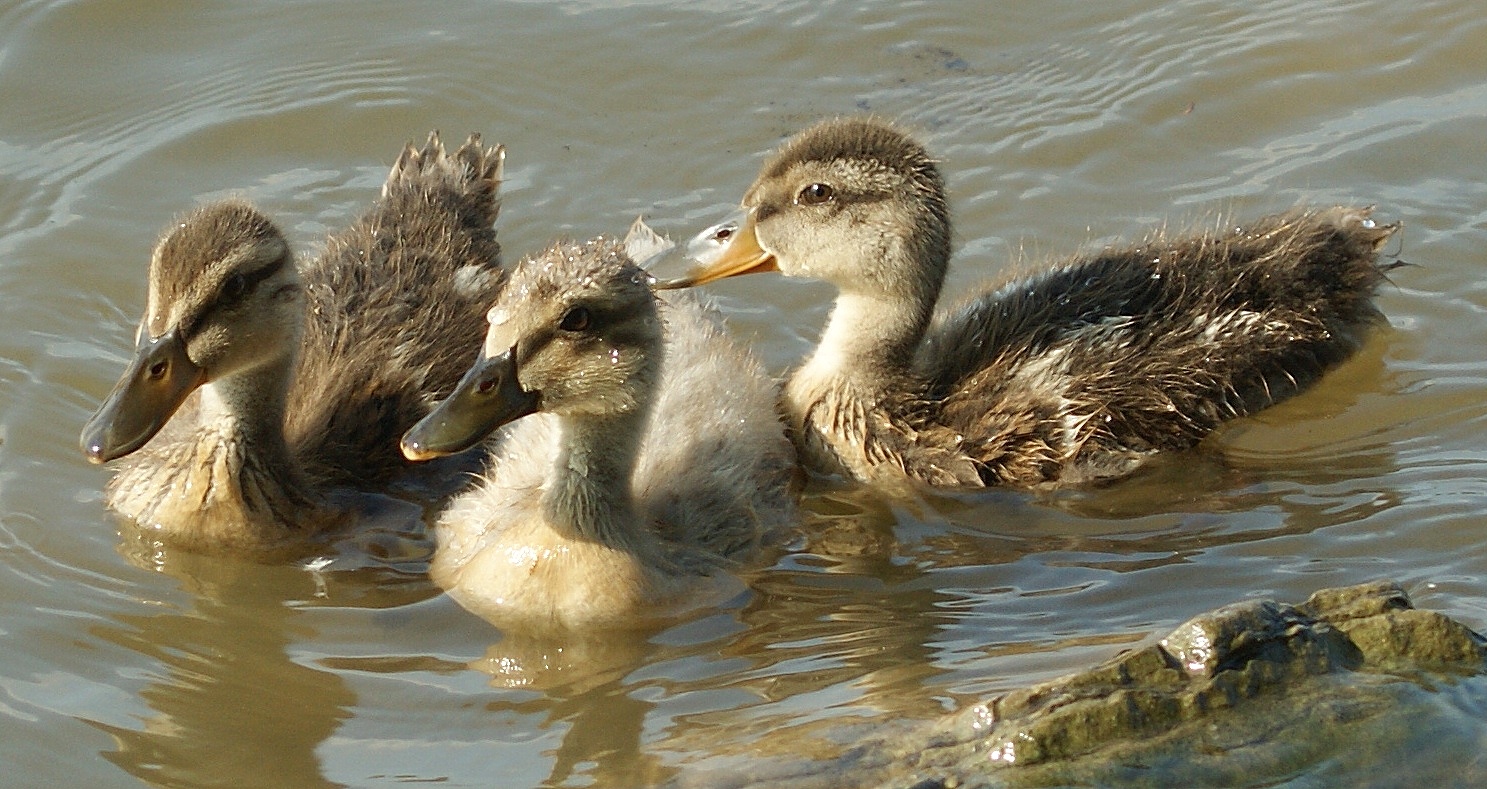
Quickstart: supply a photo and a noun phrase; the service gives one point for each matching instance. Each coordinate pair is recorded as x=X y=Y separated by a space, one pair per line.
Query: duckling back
x=391 y=305
x=1083 y=370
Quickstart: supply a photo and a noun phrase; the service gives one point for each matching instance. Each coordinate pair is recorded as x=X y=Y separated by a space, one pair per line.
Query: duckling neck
x=870 y=338
x=249 y=408
x=590 y=496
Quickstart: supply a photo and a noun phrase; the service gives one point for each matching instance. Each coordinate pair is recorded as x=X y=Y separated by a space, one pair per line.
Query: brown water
x=1060 y=126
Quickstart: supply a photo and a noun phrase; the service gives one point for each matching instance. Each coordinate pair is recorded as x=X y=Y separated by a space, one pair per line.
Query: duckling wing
x=394 y=306
x=715 y=471
x=1084 y=369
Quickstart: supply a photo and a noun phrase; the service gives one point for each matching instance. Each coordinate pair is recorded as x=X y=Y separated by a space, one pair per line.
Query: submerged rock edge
x=1214 y=662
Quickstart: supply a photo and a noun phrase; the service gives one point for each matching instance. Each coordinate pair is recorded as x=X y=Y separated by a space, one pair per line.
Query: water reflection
x=839 y=634
x=232 y=701
x=380 y=561
x=584 y=690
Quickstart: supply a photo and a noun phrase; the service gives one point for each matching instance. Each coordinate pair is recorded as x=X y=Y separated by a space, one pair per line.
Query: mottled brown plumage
x=1073 y=373
x=280 y=383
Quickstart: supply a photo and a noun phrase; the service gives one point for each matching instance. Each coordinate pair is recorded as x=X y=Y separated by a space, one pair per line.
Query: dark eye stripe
x=254 y=279
x=225 y=299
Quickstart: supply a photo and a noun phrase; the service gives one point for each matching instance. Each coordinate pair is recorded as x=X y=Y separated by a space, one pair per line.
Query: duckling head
x=224 y=300
x=852 y=201
x=575 y=333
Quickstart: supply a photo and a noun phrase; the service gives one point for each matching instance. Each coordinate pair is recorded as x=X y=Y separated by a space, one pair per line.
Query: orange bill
x=742 y=255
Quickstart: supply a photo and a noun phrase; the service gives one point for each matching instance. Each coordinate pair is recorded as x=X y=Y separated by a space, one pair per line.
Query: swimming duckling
x=1074 y=373
x=269 y=384
x=657 y=460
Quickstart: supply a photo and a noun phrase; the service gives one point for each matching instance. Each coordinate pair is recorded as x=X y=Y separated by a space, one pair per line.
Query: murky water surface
x=1060 y=126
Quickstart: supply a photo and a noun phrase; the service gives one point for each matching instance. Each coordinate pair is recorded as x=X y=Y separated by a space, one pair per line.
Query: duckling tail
x=471 y=177
x=1338 y=255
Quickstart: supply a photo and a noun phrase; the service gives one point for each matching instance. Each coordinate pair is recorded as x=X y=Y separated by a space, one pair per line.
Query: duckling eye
x=577 y=319
x=234 y=288
x=815 y=194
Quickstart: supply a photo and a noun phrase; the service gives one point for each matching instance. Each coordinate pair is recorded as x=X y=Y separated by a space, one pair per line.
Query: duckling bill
x=489 y=396
x=1069 y=374
x=157 y=381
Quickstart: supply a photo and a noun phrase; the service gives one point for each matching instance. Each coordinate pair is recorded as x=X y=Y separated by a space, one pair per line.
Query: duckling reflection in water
x=1073 y=374
x=269 y=384
x=646 y=458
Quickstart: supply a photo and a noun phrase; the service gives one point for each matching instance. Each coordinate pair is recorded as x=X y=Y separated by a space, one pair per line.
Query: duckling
x=269 y=385
x=1071 y=374
x=646 y=458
